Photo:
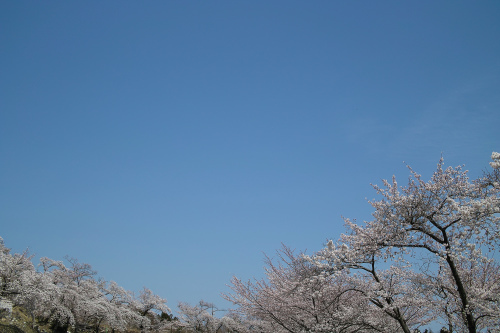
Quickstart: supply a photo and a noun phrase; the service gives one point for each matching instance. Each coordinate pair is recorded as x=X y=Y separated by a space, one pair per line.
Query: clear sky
x=171 y=143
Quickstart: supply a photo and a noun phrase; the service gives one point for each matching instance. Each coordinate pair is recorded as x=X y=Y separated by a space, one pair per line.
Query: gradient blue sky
x=170 y=143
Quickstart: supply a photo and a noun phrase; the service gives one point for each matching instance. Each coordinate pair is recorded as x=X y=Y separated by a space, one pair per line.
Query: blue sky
x=170 y=143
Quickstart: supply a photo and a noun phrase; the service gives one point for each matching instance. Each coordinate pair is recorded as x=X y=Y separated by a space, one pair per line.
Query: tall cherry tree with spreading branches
x=429 y=254
x=452 y=224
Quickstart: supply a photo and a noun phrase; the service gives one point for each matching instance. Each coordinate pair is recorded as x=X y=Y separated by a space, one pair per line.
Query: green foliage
x=168 y=317
x=10 y=329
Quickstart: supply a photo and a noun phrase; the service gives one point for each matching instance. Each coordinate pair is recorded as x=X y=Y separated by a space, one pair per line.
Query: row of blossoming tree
x=428 y=257
x=68 y=297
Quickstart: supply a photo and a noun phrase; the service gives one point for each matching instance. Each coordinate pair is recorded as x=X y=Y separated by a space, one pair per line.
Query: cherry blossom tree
x=122 y=312
x=449 y=221
x=429 y=254
x=40 y=298
x=298 y=296
x=390 y=291
x=236 y=323
x=481 y=279
x=20 y=284
x=147 y=302
x=12 y=269
x=67 y=296
x=201 y=318
x=81 y=302
x=77 y=298
x=149 y=306
x=492 y=177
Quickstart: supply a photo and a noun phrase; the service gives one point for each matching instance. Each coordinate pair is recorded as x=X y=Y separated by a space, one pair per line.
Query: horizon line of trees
x=68 y=298
x=429 y=256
